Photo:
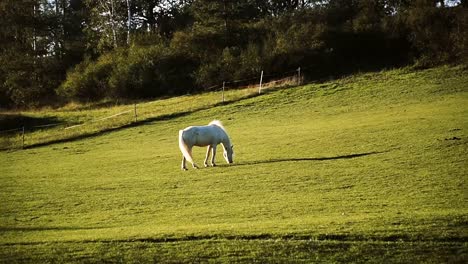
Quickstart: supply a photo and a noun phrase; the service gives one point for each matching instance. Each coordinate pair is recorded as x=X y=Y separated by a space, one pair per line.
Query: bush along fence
x=28 y=136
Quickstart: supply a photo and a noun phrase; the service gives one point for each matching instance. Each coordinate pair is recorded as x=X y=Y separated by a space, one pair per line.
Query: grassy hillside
x=367 y=168
x=72 y=121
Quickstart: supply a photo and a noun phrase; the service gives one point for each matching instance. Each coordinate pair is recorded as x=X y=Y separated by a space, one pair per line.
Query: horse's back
x=202 y=135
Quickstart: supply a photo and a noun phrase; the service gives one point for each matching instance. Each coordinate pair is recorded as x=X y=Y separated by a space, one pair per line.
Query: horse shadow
x=339 y=157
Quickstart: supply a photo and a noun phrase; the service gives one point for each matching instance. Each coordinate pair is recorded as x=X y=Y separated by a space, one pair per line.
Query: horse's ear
x=232 y=146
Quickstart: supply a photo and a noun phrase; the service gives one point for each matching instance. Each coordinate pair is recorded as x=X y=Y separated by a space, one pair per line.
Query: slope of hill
x=366 y=168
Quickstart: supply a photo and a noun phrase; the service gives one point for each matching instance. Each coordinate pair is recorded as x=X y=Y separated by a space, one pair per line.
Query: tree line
x=55 y=51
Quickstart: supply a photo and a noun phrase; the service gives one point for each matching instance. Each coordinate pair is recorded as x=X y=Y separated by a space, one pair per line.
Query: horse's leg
x=213 y=156
x=194 y=165
x=183 y=167
x=208 y=149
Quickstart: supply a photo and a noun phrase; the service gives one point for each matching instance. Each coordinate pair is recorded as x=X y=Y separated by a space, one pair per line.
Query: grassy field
x=369 y=168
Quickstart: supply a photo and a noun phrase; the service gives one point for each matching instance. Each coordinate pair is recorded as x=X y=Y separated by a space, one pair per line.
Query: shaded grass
x=241 y=251
x=368 y=168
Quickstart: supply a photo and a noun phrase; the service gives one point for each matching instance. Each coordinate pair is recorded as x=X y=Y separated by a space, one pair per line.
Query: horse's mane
x=217 y=123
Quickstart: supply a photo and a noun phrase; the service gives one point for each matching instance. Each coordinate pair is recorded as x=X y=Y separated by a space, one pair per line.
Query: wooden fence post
x=22 y=141
x=261 y=80
x=299 y=75
x=135 y=113
x=223 y=91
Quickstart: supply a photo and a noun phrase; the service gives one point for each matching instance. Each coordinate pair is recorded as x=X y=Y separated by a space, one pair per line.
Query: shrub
x=88 y=80
x=137 y=72
x=150 y=72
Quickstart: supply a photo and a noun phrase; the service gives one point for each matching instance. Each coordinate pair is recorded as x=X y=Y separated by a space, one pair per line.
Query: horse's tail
x=183 y=147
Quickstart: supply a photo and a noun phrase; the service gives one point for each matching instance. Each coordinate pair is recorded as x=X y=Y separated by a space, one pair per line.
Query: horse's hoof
x=206 y=165
x=184 y=169
x=213 y=165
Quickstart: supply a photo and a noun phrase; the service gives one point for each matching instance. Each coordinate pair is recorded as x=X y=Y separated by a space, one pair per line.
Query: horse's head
x=228 y=153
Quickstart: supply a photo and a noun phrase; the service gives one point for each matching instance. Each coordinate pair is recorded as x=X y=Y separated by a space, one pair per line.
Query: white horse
x=201 y=136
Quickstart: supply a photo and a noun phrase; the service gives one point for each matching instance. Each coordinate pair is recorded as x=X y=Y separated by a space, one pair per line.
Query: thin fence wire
x=11 y=130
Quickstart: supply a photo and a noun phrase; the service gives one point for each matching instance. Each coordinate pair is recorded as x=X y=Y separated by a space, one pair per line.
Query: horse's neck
x=226 y=143
x=225 y=140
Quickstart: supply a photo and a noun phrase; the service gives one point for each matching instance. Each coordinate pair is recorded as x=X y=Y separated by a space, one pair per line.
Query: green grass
x=369 y=168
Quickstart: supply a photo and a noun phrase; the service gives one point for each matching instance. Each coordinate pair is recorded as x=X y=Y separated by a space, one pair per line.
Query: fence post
x=223 y=91
x=261 y=80
x=22 y=141
x=135 y=113
x=299 y=75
